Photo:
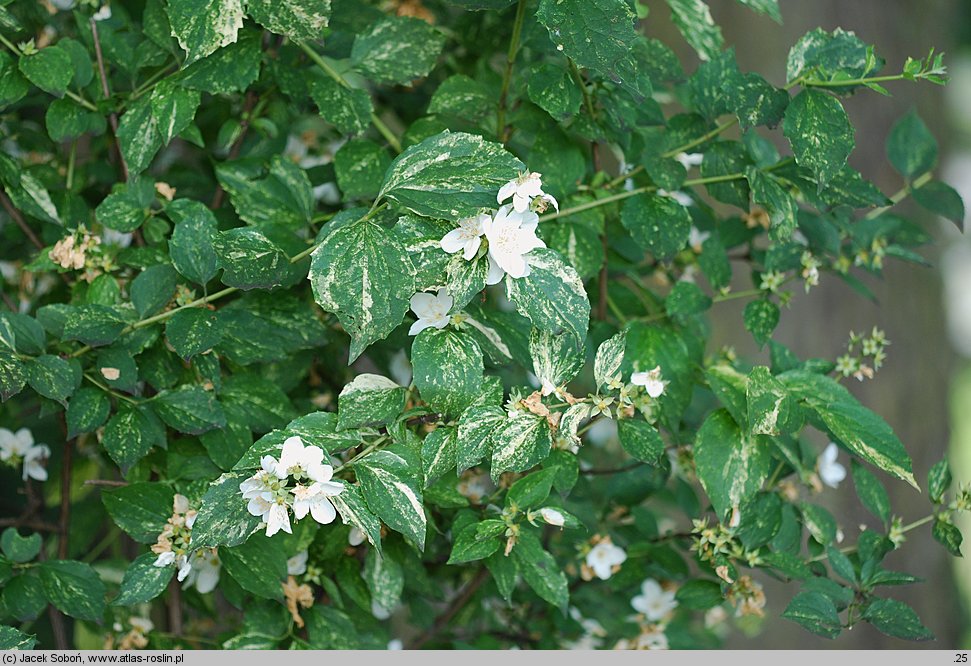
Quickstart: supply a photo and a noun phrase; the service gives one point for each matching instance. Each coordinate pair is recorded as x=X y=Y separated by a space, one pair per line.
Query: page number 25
x=961 y=658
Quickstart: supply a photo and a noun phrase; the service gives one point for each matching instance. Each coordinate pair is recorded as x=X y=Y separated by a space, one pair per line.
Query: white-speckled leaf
x=297 y=19
x=557 y=359
x=392 y=491
x=223 y=519
x=385 y=579
x=570 y=423
x=438 y=453
x=397 y=49
x=369 y=400
x=552 y=295
x=354 y=511
x=490 y=340
x=450 y=175
x=522 y=442
x=475 y=431
x=730 y=465
x=609 y=358
x=447 y=366
x=362 y=273
x=820 y=133
x=767 y=402
x=202 y=26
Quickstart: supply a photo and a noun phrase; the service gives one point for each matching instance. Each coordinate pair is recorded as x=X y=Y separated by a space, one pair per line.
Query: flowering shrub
x=349 y=310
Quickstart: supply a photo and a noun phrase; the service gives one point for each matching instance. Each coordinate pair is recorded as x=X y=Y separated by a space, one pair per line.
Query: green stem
x=334 y=74
x=6 y=42
x=517 y=30
x=616 y=311
x=900 y=195
x=587 y=101
x=819 y=83
x=151 y=81
x=80 y=100
x=71 y=158
x=371 y=447
x=106 y=389
x=903 y=530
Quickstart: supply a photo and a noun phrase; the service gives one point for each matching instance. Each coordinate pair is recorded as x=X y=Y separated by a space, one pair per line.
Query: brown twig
x=64 y=522
x=458 y=603
x=105 y=482
x=175 y=607
x=615 y=470
x=248 y=104
x=112 y=117
x=19 y=219
x=35 y=503
x=9 y=301
x=38 y=525
x=602 y=300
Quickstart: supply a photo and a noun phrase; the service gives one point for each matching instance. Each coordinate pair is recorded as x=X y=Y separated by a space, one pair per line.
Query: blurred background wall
x=924 y=390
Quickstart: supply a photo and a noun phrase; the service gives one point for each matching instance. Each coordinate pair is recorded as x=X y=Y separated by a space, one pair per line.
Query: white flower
x=297 y=565
x=313 y=500
x=651 y=381
x=522 y=190
x=604 y=557
x=165 y=559
x=400 y=368
x=142 y=624
x=356 y=536
x=830 y=471
x=697 y=238
x=277 y=518
x=20 y=445
x=396 y=644
x=204 y=573
x=495 y=274
x=552 y=516
x=467 y=237
x=298 y=460
x=103 y=14
x=378 y=611
x=682 y=198
x=654 y=602
x=689 y=160
x=512 y=235
x=184 y=566
x=432 y=310
x=117 y=238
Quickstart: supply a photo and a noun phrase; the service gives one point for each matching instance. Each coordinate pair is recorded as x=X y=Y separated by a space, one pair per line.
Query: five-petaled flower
x=552 y=516
x=512 y=235
x=18 y=447
x=603 y=557
x=830 y=471
x=467 y=237
x=654 y=602
x=431 y=309
x=651 y=381
x=524 y=190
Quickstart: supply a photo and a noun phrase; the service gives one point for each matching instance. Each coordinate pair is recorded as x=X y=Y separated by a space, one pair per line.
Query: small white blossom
x=19 y=446
x=552 y=516
x=830 y=471
x=204 y=571
x=298 y=460
x=356 y=536
x=682 y=198
x=523 y=190
x=512 y=235
x=689 y=160
x=467 y=237
x=654 y=602
x=277 y=518
x=651 y=381
x=314 y=500
x=297 y=565
x=603 y=557
x=142 y=624
x=697 y=238
x=432 y=310
x=116 y=238
x=102 y=14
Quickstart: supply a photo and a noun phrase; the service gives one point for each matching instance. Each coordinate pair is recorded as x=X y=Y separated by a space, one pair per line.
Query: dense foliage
x=354 y=323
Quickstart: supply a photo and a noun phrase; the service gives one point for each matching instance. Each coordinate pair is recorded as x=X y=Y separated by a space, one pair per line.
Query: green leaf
x=190 y=246
x=699 y=594
x=609 y=358
x=449 y=176
x=354 y=511
x=143 y=581
x=768 y=7
x=297 y=19
x=659 y=225
x=871 y=492
x=385 y=579
x=820 y=133
x=369 y=400
x=87 y=411
x=552 y=296
x=777 y=201
x=194 y=331
x=11 y=639
x=693 y=19
x=895 y=618
x=819 y=523
x=50 y=69
x=462 y=97
x=23 y=598
x=393 y=492
x=641 y=440
x=731 y=465
x=361 y=273
x=189 y=409
x=223 y=519
x=12 y=375
x=153 y=289
x=397 y=49
x=760 y=318
x=138 y=135
x=541 y=571
x=767 y=403
x=13 y=87
x=94 y=325
x=475 y=430
x=942 y=199
x=53 y=377
x=860 y=430
x=761 y=520
x=686 y=299
x=203 y=26
x=231 y=69
x=447 y=368
x=360 y=166
x=131 y=434
x=949 y=535
x=815 y=612
x=522 y=441
x=249 y=259
x=17 y=548
x=553 y=90
x=140 y=509
x=347 y=109
x=173 y=108
x=74 y=588
x=828 y=56
x=330 y=629
x=471 y=544
x=571 y=22
x=67 y=120
x=730 y=386
x=938 y=481
x=278 y=195
x=911 y=147
x=259 y=565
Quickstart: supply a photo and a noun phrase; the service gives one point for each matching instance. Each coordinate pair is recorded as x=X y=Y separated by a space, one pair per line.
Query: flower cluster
x=173 y=546
x=18 y=448
x=272 y=497
x=71 y=251
x=654 y=606
x=865 y=362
